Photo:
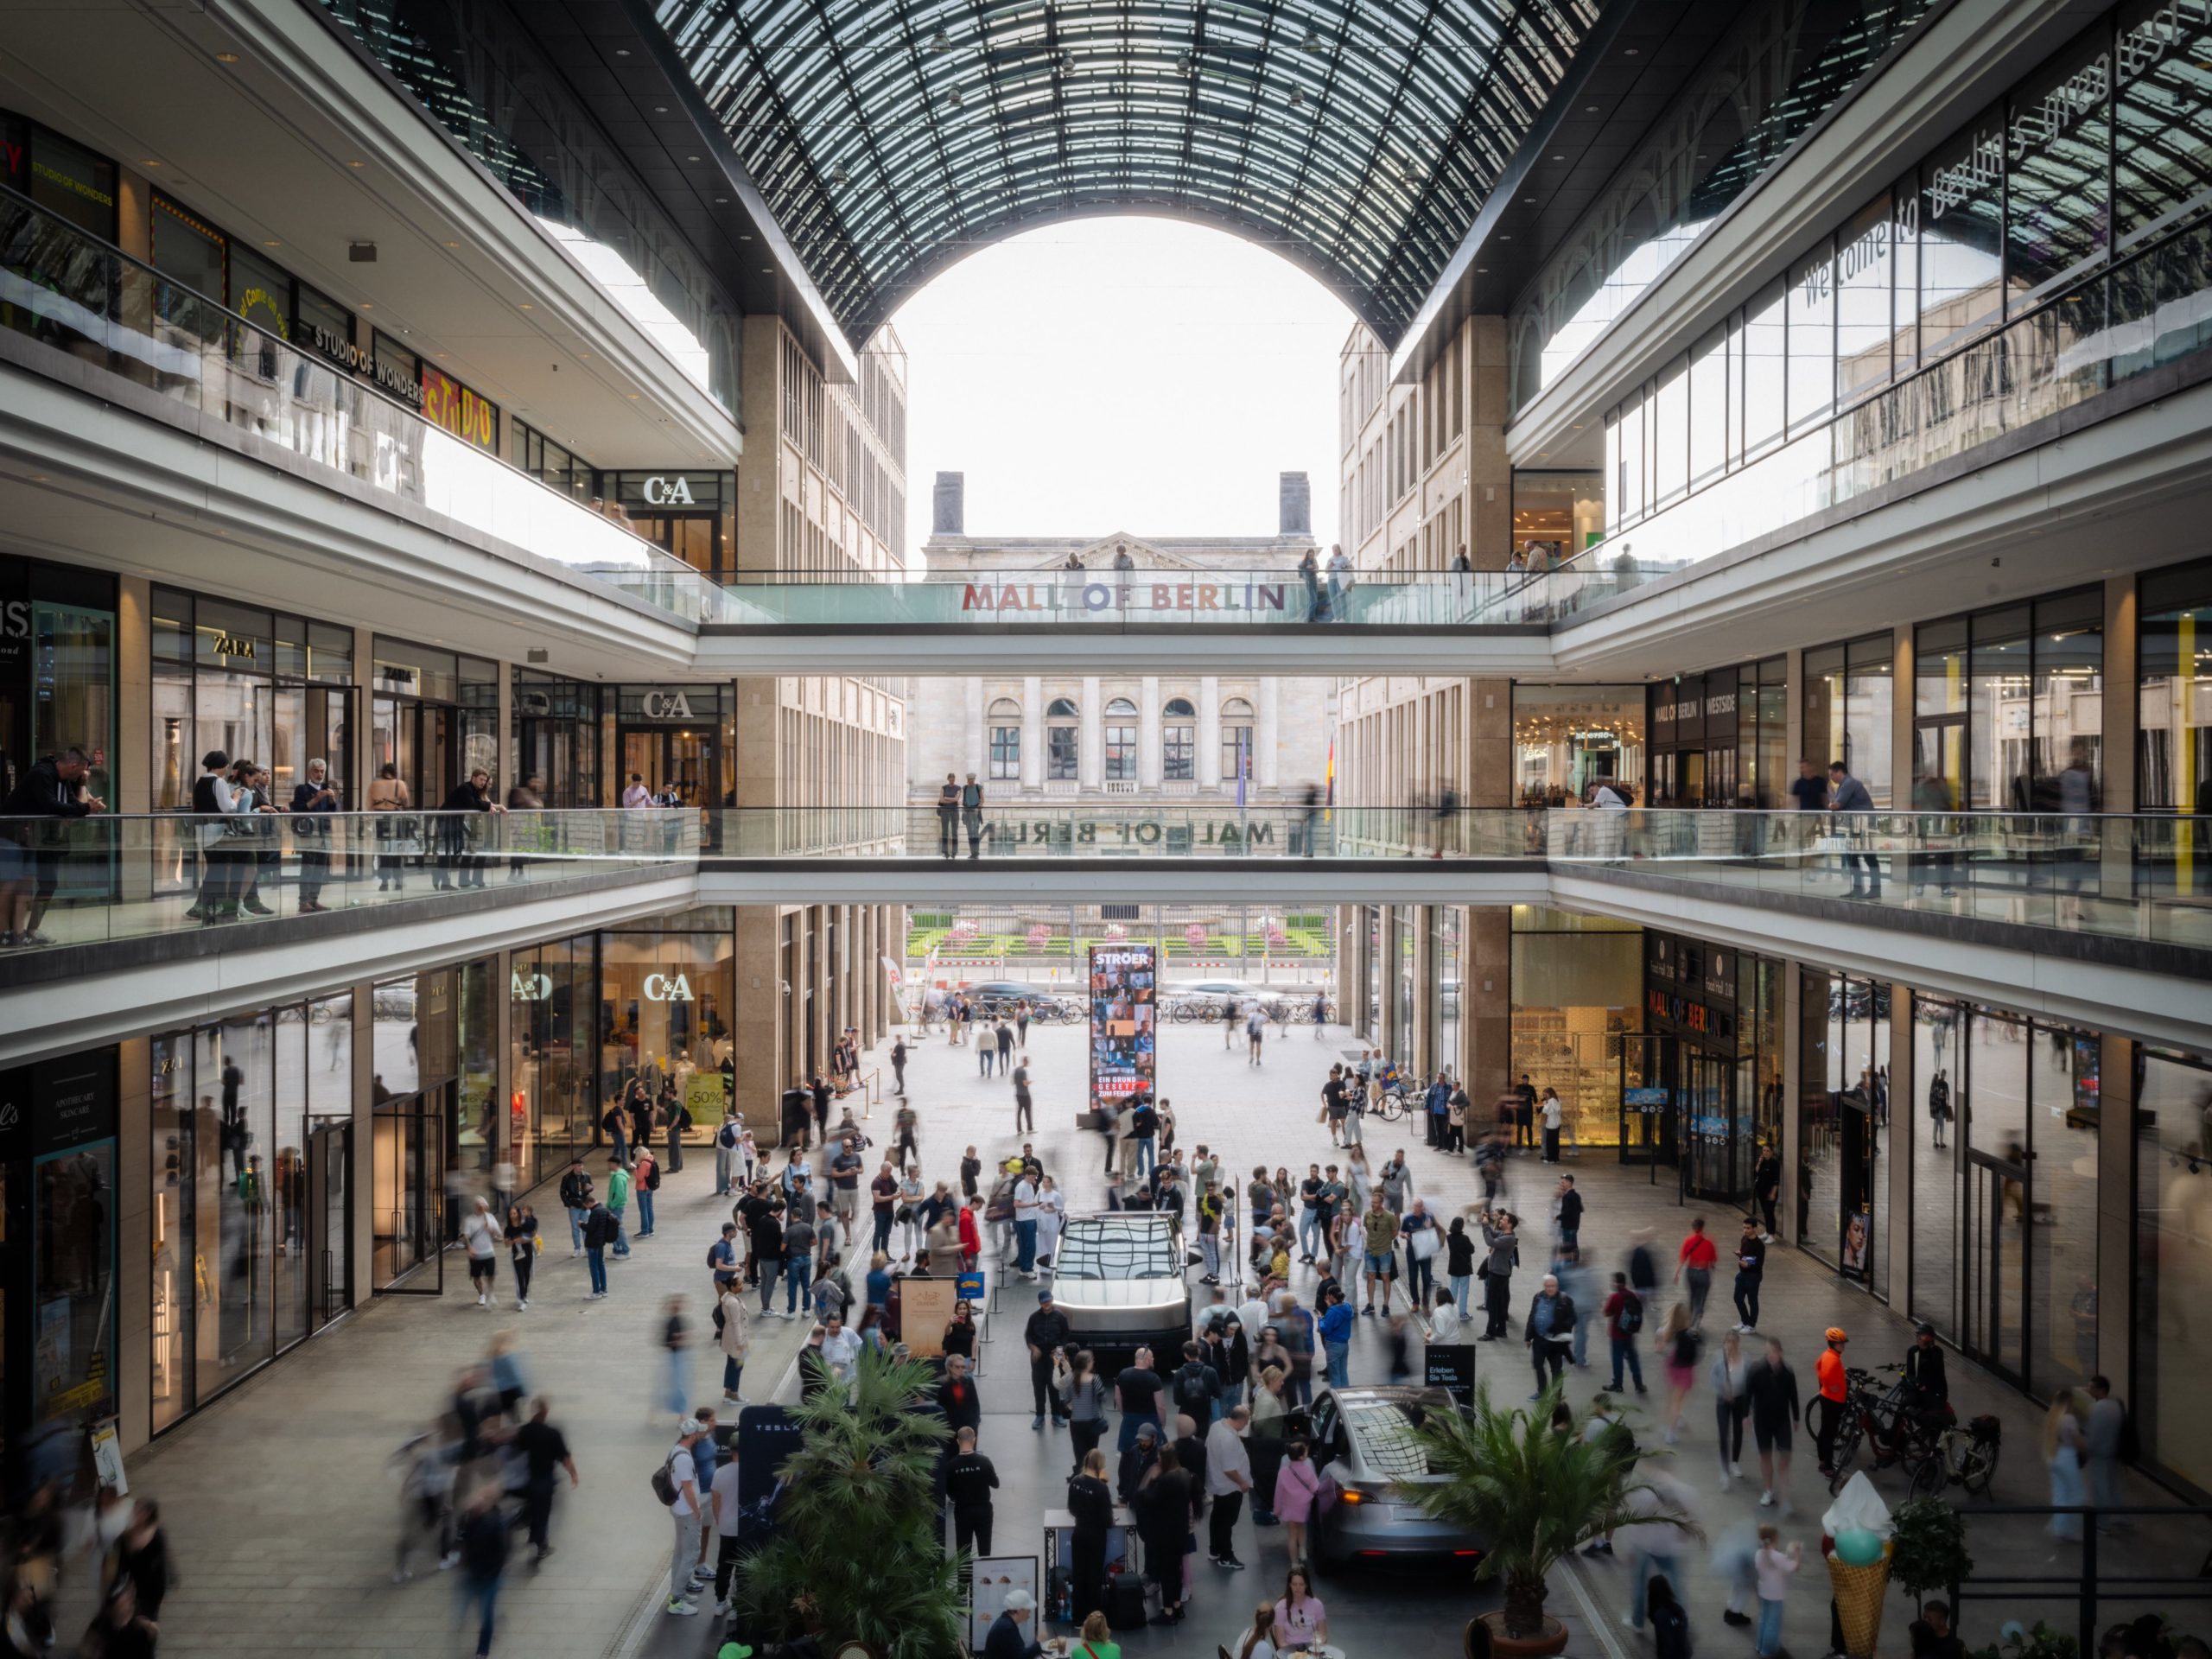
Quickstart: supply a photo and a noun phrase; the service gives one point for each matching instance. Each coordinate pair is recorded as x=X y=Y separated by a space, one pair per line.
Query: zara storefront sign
x=668 y=988
x=1113 y=597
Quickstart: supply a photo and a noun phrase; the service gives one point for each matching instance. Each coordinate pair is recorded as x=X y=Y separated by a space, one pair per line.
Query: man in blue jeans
x=1624 y=1324
x=798 y=1263
x=1336 y=1340
x=600 y=1231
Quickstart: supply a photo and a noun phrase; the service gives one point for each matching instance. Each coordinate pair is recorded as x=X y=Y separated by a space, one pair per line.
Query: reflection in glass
x=2173 y=1261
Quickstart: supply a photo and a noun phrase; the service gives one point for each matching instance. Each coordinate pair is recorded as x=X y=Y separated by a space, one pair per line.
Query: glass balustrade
x=89 y=300
x=94 y=879
x=110 y=877
x=2147 y=311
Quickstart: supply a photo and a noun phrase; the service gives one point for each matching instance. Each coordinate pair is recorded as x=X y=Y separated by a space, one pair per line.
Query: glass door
x=409 y=1182
x=1712 y=1168
x=1997 y=1220
x=330 y=1223
x=1939 y=764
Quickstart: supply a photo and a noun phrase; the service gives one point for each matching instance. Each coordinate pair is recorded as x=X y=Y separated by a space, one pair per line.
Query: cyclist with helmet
x=1835 y=1395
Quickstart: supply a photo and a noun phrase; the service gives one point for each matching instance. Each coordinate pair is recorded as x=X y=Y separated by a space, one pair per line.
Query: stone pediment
x=1099 y=554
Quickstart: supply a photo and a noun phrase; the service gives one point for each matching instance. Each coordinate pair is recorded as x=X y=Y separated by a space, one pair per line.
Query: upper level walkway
x=2106 y=920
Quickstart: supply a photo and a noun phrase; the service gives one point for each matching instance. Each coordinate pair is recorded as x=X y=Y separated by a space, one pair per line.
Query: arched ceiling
x=1357 y=138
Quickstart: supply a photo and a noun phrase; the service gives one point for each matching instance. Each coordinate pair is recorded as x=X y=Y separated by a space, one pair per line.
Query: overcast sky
x=1121 y=374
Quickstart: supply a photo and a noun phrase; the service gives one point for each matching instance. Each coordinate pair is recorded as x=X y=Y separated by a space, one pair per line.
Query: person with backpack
x=676 y=1483
x=576 y=1200
x=726 y=1153
x=678 y=1119
x=1624 y=1312
x=1196 y=1387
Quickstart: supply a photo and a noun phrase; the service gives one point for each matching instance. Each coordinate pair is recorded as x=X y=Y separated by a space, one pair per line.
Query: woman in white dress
x=1052 y=1210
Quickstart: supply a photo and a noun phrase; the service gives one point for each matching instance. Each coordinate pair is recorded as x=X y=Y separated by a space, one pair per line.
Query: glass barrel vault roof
x=1358 y=138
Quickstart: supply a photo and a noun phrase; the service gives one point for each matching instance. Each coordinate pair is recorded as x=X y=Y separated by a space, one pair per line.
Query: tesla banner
x=1122 y=1034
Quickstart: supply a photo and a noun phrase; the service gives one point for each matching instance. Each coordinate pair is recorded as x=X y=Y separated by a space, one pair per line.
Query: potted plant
x=1927 y=1547
x=856 y=1555
x=1533 y=1496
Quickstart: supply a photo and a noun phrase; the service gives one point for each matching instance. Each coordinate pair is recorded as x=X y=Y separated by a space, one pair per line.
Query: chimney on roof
x=950 y=515
x=1294 y=506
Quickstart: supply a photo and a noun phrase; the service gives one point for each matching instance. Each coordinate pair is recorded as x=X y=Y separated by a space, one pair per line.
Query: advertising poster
x=1123 y=1034
x=993 y=1577
x=765 y=1439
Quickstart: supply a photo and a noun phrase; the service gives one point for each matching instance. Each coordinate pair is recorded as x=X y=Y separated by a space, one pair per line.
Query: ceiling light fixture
x=226 y=57
x=356 y=163
x=452 y=244
x=270 y=242
x=528 y=306
x=150 y=162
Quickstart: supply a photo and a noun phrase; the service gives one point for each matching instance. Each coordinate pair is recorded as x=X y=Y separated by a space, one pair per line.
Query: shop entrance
x=1650 y=1093
x=1719 y=1162
x=1997 y=1216
x=668 y=756
x=418 y=739
x=409 y=1197
x=330 y=1223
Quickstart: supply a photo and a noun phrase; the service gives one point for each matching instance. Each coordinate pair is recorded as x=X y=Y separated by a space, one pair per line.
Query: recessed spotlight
x=356 y=163
x=368 y=305
x=767 y=270
x=226 y=57
x=1505 y=238
x=660 y=109
x=633 y=397
x=622 y=51
x=528 y=306
x=270 y=242
x=452 y=244
x=150 y=162
x=721 y=201
x=1634 y=51
x=1559 y=158
x=690 y=158
x=442 y=354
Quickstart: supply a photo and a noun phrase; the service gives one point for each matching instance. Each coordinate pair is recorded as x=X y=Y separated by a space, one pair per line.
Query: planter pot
x=1492 y=1641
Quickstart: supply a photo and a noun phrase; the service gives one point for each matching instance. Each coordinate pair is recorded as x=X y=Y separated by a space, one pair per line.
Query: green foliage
x=2041 y=1642
x=857 y=1544
x=1531 y=1495
x=1928 y=1547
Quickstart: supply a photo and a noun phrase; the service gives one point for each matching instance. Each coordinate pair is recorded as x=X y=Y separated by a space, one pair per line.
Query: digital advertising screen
x=1124 y=1035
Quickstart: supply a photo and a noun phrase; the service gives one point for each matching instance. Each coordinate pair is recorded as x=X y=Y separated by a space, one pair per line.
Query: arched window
x=1120 y=740
x=1179 y=740
x=1236 y=739
x=1061 y=747
x=1005 y=723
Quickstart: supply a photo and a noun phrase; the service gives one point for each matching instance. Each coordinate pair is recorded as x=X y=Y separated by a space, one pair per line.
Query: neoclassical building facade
x=1091 y=737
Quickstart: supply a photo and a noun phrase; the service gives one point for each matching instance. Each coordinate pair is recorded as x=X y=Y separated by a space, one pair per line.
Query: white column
x=1090 y=764
x=1265 y=766
x=1032 y=732
x=1148 y=764
x=975 y=746
x=1209 y=732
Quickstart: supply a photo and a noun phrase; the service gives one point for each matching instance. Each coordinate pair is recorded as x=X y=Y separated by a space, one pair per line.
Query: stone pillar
x=131 y=766
x=972 y=750
x=1901 y=707
x=1793 y=721
x=1148 y=762
x=1490 y=473
x=823 y=1036
x=1486 y=1006
x=134 y=1157
x=1898 y=1151
x=1209 y=732
x=1090 y=765
x=756 y=1034
x=1267 y=766
x=1793 y=1066
x=1032 y=732
x=2115 y=1245
x=1424 y=1053
x=1489 y=743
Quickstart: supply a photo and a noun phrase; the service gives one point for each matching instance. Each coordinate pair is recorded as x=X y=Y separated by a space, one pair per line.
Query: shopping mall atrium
x=489 y=719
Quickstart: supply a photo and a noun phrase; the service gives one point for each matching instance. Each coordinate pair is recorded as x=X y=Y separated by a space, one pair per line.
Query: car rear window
x=1386 y=1431
x=1106 y=1249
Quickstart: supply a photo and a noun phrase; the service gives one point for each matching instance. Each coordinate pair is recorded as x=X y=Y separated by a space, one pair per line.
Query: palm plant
x=1532 y=1494
x=858 y=1549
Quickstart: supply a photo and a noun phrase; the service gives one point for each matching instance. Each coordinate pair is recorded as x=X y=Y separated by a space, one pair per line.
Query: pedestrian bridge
x=2102 y=919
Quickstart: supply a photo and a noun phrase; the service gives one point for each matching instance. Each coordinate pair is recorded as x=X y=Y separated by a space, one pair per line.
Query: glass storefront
x=665 y=997
x=1718 y=738
x=552 y=1101
x=1577 y=994
x=256 y=684
x=2008 y=709
x=435 y=716
x=556 y=737
x=693 y=515
x=1446 y=986
x=414 y=1066
x=2173 y=1261
x=1848 y=703
x=1843 y=1122
x=2173 y=765
x=1557 y=515
x=1565 y=737
x=1711 y=1022
x=2005 y=1167
x=57 y=669
x=58 y=1243
x=247 y=1256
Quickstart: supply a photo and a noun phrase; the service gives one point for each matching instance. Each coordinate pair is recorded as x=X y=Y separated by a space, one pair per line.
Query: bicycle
x=1900 y=1438
x=1961 y=1455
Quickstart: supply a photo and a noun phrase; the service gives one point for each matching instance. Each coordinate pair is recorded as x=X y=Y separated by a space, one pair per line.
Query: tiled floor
x=282 y=1514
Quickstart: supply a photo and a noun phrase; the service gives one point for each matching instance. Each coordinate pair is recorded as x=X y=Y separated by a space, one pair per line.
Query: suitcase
x=1125 y=1602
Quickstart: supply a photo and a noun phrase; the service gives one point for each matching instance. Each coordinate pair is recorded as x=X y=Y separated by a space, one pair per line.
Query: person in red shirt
x=1696 y=1259
x=971 y=1239
x=1835 y=1395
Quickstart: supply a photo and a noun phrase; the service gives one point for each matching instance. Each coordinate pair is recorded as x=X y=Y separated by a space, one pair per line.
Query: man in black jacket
x=53 y=788
x=310 y=798
x=576 y=1200
x=600 y=1231
x=1197 y=1387
x=1771 y=1389
x=956 y=1397
x=1570 y=1214
x=1046 y=1332
x=473 y=795
x=969 y=1479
